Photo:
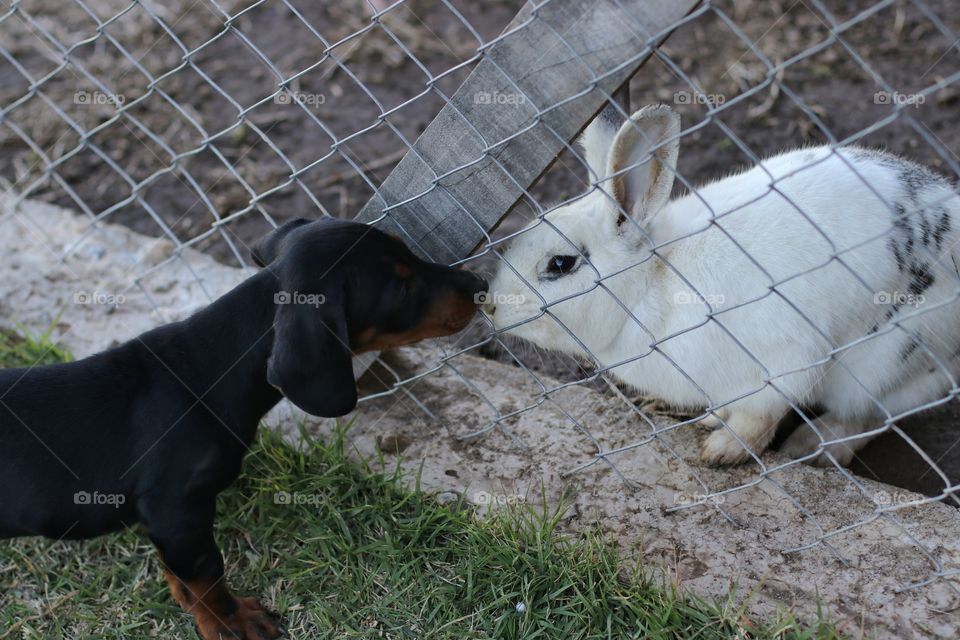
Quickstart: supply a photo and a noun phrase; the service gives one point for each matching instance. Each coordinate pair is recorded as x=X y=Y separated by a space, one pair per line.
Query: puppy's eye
x=407 y=288
x=559 y=265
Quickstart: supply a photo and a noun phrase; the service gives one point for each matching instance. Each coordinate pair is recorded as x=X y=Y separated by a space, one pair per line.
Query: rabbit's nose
x=489 y=308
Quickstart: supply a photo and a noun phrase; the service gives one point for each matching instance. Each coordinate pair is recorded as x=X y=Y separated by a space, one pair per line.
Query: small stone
x=394 y=444
x=448 y=497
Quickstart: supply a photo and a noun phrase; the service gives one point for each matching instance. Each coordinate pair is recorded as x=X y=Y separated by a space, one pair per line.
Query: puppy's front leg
x=193 y=567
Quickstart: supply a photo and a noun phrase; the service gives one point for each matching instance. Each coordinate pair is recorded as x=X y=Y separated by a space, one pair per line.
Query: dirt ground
x=828 y=93
x=579 y=450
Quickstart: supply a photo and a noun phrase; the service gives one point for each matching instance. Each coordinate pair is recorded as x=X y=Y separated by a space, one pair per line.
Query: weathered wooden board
x=511 y=117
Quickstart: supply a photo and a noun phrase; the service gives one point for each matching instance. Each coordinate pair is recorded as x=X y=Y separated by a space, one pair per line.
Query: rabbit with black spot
x=822 y=277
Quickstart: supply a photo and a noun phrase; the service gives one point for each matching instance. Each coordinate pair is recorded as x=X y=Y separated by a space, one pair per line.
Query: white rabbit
x=820 y=278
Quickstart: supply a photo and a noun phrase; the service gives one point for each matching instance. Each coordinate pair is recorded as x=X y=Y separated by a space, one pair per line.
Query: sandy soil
x=575 y=450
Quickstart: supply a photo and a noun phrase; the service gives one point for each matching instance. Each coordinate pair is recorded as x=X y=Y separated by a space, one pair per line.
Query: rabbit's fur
x=821 y=277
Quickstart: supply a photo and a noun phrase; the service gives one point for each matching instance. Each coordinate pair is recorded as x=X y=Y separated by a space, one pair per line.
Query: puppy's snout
x=479 y=286
x=474 y=286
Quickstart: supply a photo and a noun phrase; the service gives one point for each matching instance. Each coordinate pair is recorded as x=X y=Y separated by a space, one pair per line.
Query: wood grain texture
x=510 y=119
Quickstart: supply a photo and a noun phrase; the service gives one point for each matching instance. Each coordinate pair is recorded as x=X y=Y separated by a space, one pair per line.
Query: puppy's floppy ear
x=269 y=246
x=311 y=362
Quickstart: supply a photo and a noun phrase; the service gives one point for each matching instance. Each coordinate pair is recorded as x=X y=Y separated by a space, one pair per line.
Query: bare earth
x=735 y=541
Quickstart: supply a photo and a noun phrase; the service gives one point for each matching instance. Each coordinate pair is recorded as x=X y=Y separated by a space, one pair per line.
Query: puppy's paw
x=248 y=620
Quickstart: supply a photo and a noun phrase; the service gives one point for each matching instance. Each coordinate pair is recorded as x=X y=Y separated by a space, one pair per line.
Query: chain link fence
x=206 y=123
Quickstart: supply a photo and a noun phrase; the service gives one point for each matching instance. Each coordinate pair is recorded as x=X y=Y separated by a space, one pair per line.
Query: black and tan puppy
x=151 y=431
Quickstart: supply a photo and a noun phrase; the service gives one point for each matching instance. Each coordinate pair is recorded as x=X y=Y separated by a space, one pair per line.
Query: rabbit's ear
x=598 y=136
x=642 y=161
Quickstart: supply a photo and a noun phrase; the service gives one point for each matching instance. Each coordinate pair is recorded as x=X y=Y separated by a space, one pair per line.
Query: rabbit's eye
x=559 y=265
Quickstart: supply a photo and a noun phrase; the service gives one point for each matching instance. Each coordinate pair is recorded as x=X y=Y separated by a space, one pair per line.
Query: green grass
x=356 y=555
x=24 y=349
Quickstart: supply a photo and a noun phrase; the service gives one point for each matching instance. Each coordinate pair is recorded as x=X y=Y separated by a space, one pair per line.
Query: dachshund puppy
x=151 y=431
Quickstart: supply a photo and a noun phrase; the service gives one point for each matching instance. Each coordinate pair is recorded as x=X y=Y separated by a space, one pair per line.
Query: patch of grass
x=342 y=550
x=25 y=349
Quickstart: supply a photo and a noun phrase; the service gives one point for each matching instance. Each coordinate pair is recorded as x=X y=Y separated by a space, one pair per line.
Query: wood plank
x=511 y=117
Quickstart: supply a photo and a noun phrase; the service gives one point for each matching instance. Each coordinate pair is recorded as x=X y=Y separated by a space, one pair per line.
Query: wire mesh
x=208 y=122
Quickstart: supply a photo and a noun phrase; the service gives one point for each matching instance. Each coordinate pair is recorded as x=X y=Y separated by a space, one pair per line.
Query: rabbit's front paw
x=803 y=442
x=722 y=447
x=714 y=419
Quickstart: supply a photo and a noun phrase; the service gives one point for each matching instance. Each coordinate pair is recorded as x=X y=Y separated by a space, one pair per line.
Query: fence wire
x=209 y=122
